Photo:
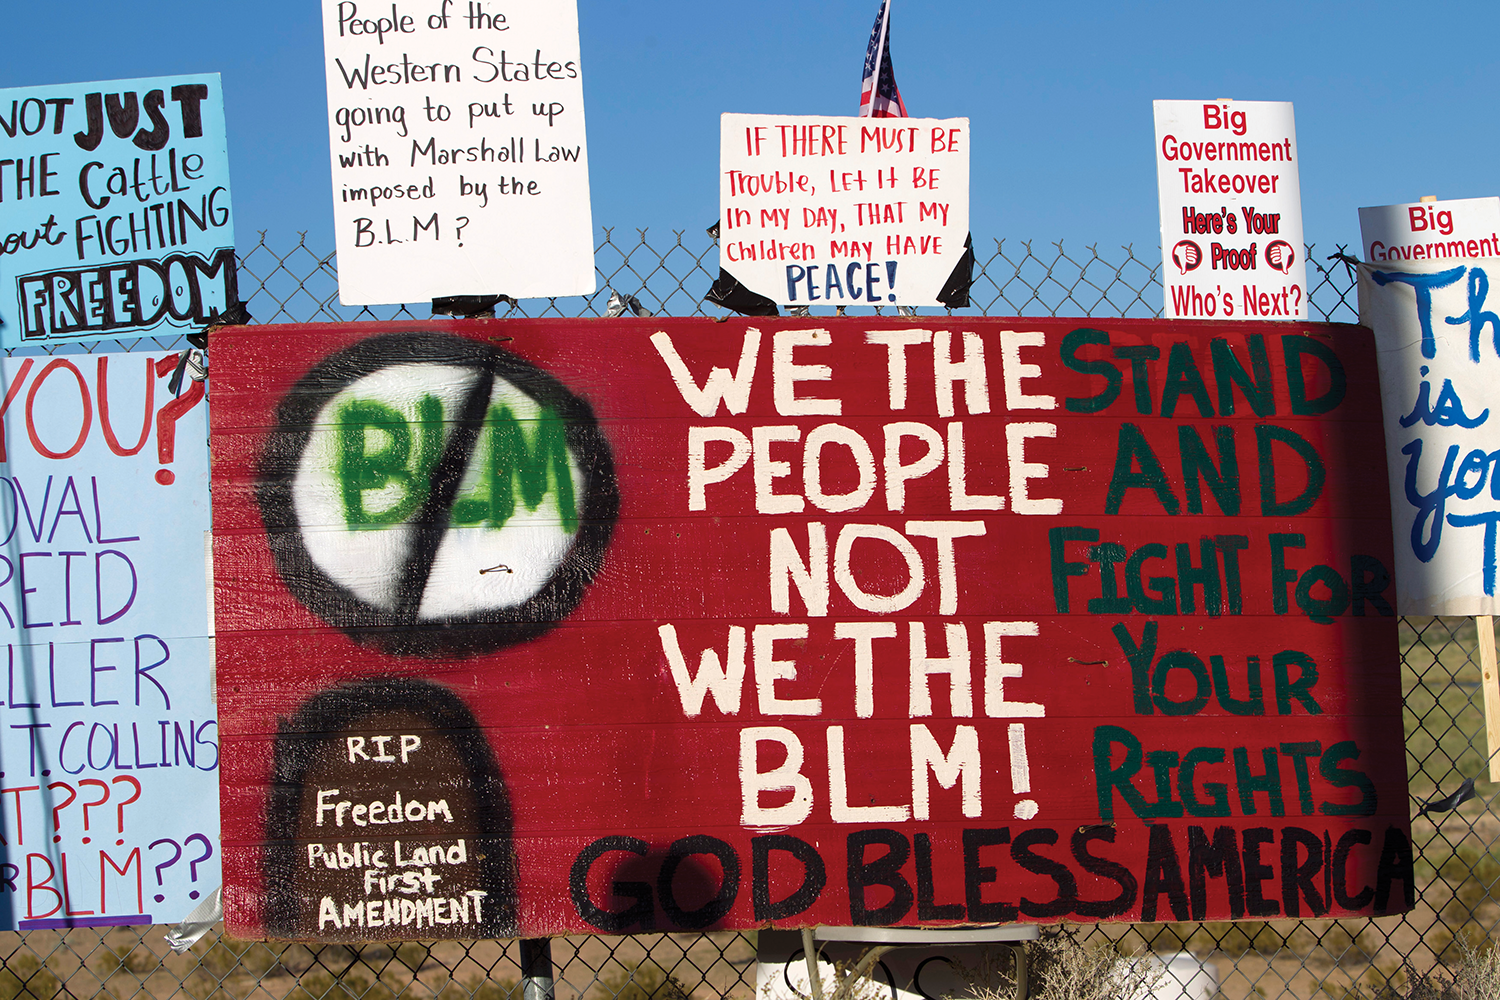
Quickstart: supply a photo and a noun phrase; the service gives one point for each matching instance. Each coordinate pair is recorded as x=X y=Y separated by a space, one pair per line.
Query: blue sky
x=1393 y=101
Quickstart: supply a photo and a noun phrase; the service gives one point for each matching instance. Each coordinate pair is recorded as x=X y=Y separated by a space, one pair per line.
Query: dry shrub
x=1476 y=976
x=1060 y=967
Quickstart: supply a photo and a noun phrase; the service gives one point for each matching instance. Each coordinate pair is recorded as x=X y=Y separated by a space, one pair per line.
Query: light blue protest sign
x=114 y=210
x=109 y=758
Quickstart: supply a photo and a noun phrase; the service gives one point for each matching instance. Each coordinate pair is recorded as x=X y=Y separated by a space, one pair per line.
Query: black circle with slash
x=435 y=496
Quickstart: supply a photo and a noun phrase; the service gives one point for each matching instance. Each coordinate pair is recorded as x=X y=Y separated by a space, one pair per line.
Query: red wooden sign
x=553 y=626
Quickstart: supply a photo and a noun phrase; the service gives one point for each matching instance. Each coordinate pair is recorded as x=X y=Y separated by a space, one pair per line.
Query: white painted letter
x=810 y=577
x=961 y=761
x=785 y=374
x=864 y=635
x=1020 y=764
x=699 y=475
x=786 y=777
x=844 y=573
x=734 y=389
x=768 y=471
x=724 y=681
x=812 y=468
x=838 y=790
x=1022 y=470
x=769 y=670
x=896 y=342
x=955 y=665
x=1011 y=342
x=945 y=532
x=997 y=670
x=896 y=474
x=970 y=371
x=959 y=497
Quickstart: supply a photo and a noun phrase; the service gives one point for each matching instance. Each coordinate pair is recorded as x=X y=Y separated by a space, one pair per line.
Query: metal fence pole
x=536 y=969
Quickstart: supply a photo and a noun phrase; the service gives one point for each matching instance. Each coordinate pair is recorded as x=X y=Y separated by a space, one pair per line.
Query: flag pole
x=1484 y=628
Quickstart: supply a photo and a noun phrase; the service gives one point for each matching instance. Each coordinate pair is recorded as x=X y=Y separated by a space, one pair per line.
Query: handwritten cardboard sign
x=843 y=211
x=456 y=135
x=1439 y=347
x=109 y=793
x=675 y=624
x=114 y=210
x=1231 y=210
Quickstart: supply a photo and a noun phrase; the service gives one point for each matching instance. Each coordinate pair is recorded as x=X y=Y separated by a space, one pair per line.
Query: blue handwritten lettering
x=1477 y=316
x=1430 y=506
x=1466 y=483
x=1449 y=411
x=1423 y=285
x=1488 y=519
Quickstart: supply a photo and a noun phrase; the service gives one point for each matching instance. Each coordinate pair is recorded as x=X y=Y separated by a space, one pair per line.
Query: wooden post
x=810 y=952
x=1484 y=627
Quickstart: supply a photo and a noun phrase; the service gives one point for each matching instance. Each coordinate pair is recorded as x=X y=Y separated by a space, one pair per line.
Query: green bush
x=645 y=981
x=480 y=989
x=25 y=977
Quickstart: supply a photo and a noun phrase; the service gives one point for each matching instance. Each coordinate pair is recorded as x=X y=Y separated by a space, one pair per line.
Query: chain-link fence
x=669 y=276
x=1458 y=868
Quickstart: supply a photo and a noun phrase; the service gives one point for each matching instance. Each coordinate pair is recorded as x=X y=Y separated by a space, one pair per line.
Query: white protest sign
x=1438 y=342
x=1432 y=230
x=1231 y=210
x=457 y=144
x=843 y=211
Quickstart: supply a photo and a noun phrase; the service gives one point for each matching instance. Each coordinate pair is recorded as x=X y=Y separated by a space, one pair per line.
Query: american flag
x=879 y=97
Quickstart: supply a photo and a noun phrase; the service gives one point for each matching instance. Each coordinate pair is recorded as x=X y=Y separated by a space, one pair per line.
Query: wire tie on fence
x=197 y=923
x=619 y=305
x=197 y=366
x=1350 y=263
x=469 y=306
x=174 y=384
x=1465 y=793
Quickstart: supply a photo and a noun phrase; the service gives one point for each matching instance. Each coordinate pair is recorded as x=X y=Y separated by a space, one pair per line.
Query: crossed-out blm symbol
x=436 y=496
